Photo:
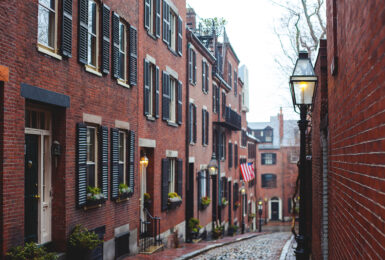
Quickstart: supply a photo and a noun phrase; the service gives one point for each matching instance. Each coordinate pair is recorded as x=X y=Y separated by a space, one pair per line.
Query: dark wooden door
x=190 y=194
x=274 y=211
x=31 y=187
x=229 y=200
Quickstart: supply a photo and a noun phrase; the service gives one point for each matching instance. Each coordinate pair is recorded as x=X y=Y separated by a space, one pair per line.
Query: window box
x=224 y=202
x=237 y=204
x=205 y=202
x=94 y=197
x=174 y=204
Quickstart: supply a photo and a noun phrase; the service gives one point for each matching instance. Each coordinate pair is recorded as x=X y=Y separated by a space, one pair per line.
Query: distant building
x=277 y=157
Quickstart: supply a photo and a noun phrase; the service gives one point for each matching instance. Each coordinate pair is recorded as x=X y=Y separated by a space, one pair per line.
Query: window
x=92 y=155
x=122 y=157
x=171 y=176
x=235 y=84
x=268 y=135
x=269 y=180
x=172 y=104
x=172 y=29
x=47 y=19
x=215 y=98
x=251 y=150
x=205 y=127
x=222 y=146
x=173 y=32
x=192 y=66
x=172 y=99
x=235 y=155
x=230 y=155
x=151 y=90
x=215 y=143
x=223 y=104
x=203 y=185
x=230 y=72
x=93 y=29
x=293 y=157
x=243 y=138
x=205 y=77
x=122 y=52
x=268 y=158
x=152 y=17
x=193 y=124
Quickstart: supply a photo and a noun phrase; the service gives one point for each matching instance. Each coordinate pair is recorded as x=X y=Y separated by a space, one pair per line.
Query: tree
x=300 y=28
x=208 y=25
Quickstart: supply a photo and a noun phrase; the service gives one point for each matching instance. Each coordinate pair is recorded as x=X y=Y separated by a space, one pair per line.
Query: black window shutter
x=83 y=31
x=214 y=98
x=199 y=187
x=147 y=14
x=115 y=45
x=230 y=155
x=195 y=124
x=157 y=21
x=133 y=56
x=156 y=92
x=165 y=96
x=106 y=40
x=179 y=102
x=207 y=77
x=131 y=160
x=208 y=184
x=235 y=155
x=179 y=177
x=81 y=164
x=235 y=192
x=165 y=169
x=263 y=158
x=146 y=89
x=203 y=127
x=103 y=160
x=223 y=104
x=114 y=163
x=207 y=127
x=66 y=42
x=180 y=35
x=203 y=76
x=235 y=83
x=194 y=67
x=274 y=158
x=217 y=101
x=190 y=64
x=190 y=122
x=166 y=22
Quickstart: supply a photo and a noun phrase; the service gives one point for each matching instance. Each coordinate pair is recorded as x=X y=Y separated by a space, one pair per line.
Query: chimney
x=191 y=18
x=280 y=118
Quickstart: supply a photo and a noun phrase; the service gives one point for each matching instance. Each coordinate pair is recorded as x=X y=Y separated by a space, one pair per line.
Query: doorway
x=275 y=209
x=37 y=181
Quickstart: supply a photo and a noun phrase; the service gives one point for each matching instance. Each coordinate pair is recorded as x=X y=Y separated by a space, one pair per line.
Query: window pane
x=121 y=37
x=91 y=144
x=91 y=50
x=91 y=175
x=121 y=146
x=46 y=27
x=92 y=17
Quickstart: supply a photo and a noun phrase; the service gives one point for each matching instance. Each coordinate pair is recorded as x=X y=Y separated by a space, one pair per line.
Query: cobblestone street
x=267 y=246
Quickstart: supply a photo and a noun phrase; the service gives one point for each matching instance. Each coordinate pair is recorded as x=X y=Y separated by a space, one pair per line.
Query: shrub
x=84 y=240
x=30 y=252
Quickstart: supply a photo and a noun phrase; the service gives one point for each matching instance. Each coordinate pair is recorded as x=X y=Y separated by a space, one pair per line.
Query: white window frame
x=203 y=184
x=123 y=50
x=95 y=162
x=172 y=175
x=152 y=86
x=173 y=101
x=152 y=18
x=124 y=147
x=90 y=35
x=54 y=48
x=173 y=29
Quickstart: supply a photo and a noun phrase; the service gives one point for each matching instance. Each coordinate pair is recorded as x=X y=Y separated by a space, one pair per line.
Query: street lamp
x=260 y=214
x=265 y=210
x=143 y=161
x=302 y=85
x=243 y=192
x=213 y=165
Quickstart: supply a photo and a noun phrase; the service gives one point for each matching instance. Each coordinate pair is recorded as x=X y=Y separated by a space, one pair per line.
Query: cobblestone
x=267 y=246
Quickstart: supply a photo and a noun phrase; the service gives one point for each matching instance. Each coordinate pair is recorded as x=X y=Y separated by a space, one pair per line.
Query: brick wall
x=356 y=130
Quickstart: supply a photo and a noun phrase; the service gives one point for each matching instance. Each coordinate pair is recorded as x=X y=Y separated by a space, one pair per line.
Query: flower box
x=174 y=204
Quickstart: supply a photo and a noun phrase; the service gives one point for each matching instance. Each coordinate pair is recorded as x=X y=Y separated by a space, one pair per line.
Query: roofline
x=196 y=42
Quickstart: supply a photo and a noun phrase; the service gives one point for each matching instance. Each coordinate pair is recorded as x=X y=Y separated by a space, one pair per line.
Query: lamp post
x=260 y=214
x=213 y=172
x=243 y=192
x=302 y=85
x=265 y=210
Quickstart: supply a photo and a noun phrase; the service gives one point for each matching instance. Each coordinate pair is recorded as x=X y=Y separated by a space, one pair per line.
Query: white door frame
x=279 y=207
x=143 y=189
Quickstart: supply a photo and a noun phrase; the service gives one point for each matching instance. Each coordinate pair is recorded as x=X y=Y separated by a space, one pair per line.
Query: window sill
x=122 y=83
x=150 y=118
x=205 y=92
x=93 y=71
x=172 y=51
x=194 y=84
x=192 y=143
x=170 y=123
x=152 y=36
x=48 y=52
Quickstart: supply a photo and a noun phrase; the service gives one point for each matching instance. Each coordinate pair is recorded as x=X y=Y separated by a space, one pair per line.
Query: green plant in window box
x=82 y=242
x=205 y=202
x=174 y=200
x=30 y=251
x=224 y=202
x=94 y=196
x=237 y=204
x=252 y=215
x=124 y=190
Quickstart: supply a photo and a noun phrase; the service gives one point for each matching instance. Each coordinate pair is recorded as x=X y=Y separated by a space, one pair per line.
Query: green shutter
x=114 y=163
x=133 y=61
x=81 y=164
x=83 y=31
x=146 y=89
x=164 y=190
x=106 y=39
x=131 y=160
x=115 y=45
x=147 y=12
x=103 y=160
x=179 y=177
x=66 y=43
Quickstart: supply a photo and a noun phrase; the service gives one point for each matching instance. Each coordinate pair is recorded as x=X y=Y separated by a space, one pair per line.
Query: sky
x=250 y=28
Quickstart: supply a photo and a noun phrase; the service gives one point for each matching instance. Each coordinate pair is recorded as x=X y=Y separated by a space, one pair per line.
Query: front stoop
x=152 y=249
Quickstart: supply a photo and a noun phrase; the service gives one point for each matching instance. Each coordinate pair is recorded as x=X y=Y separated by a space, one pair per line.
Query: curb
x=286 y=248
x=210 y=247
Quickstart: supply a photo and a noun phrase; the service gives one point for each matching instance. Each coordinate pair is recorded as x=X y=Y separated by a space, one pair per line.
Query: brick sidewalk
x=189 y=249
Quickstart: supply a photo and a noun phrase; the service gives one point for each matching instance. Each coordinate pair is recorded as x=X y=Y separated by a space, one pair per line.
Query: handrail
x=154 y=232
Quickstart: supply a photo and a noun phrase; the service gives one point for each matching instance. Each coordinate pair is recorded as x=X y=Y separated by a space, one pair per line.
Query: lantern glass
x=303 y=91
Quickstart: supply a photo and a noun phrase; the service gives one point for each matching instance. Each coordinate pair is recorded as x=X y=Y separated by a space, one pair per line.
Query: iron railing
x=149 y=231
x=233 y=119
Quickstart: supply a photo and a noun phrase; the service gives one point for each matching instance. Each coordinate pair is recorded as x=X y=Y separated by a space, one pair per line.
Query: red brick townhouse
x=277 y=171
x=161 y=116
x=227 y=120
x=68 y=121
x=348 y=135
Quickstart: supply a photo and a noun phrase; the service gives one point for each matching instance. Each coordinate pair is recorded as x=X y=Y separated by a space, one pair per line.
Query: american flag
x=247 y=171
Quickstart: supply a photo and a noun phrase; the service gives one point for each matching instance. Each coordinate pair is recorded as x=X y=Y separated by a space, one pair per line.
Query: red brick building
x=69 y=122
x=277 y=171
x=347 y=135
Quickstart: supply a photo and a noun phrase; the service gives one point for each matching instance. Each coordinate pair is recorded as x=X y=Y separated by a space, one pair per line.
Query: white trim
x=122 y=125
x=172 y=72
x=149 y=143
x=191 y=159
x=48 y=52
x=171 y=153
x=33 y=131
x=150 y=59
x=279 y=208
x=204 y=107
x=203 y=167
x=172 y=6
x=191 y=100
x=93 y=119
x=92 y=71
x=223 y=174
x=121 y=229
x=121 y=83
x=229 y=179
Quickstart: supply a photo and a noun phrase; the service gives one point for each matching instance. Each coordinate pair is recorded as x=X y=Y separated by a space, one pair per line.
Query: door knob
x=37 y=196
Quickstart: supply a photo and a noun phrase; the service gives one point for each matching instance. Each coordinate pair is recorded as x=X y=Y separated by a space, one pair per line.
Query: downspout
x=325 y=198
x=187 y=144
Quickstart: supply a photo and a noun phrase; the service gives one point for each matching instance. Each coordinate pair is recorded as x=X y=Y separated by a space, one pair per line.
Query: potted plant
x=224 y=202
x=174 y=200
x=124 y=191
x=30 y=251
x=94 y=196
x=205 y=202
x=232 y=230
x=251 y=216
x=237 y=204
x=147 y=200
x=82 y=242
x=194 y=227
x=218 y=232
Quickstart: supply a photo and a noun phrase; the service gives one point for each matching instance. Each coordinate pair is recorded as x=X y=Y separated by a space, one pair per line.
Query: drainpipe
x=187 y=143
x=325 y=213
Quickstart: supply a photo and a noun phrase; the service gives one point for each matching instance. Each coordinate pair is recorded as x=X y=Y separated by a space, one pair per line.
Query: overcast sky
x=249 y=27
